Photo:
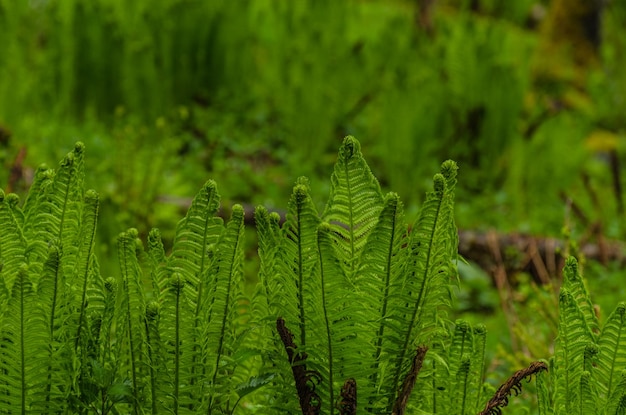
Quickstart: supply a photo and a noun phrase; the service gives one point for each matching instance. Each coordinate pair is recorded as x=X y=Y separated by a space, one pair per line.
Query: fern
x=612 y=351
x=354 y=203
x=130 y=319
x=12 y=246
x=349 y=283
x=221 y=329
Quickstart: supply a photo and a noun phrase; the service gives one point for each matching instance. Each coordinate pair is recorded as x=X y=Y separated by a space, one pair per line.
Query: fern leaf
x=270 y=240
x=158 y=374
x=616 y=402
x=42 y=175
x=158 y=263
x=54 y=313
x=85 y=257
x=612 y=354
x=380 y=279
x=221 y=328
x=12 y=244
x=586 y=396
x=543 y=395
x=574 y=337
x=354 y=203
x=299 y=257
x=16 y=333
x=195 y=233
x=57 y=213
x=574 y=283
x=130 y=323
x=429 y=271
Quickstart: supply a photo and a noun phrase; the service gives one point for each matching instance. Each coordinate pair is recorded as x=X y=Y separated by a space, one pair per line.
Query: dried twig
x=512 y=385
x=347 y=401
x=399 y=407
x=306 y=380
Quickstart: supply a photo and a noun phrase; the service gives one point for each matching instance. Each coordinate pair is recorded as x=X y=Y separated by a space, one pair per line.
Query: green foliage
x=588 y=362
x=75 y=342
x=358 y=289
x=358 y=300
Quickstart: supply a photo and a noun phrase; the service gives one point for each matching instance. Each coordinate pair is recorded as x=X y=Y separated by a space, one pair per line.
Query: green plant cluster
x=350 y=314
x=288 y=80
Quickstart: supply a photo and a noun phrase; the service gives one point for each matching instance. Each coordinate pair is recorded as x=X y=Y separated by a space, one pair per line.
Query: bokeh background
x=528 y=96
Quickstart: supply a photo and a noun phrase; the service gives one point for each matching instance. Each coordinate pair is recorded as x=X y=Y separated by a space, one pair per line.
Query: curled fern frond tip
x=480 y=329
x=152 y=310
x=132 y=233
x=621 y=308
x=350 y=148
x=79 y=147
x=48 y=174
x=392 y=197
x=69 y=159
x=463 y=326
x=439 y=184
x=300 y=192
x=91 y=194
x=154 y=234
x=449 y=168
x=274 y=217
x=176 y=282
x=1 y=195
x=238 y=210
x=571 y=262
x=12 y=199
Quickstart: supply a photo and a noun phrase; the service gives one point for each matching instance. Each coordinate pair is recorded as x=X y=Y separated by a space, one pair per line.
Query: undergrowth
x=350 y=314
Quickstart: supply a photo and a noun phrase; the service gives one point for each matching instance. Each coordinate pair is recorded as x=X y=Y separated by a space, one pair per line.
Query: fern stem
x=131 y=344
x=227 y=305
x=417 y=308
x=22 y=344
x=301 y=280
x=178 y=290
x=323 y=233
x=351 y=218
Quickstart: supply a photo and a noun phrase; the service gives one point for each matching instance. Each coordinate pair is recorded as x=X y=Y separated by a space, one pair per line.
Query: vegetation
x=367 y=298
x=527 y=96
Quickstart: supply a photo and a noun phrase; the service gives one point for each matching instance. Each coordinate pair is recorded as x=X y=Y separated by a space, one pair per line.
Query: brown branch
x=512 y=386
x=399 y=407
x=347 y=402
x=306 y=380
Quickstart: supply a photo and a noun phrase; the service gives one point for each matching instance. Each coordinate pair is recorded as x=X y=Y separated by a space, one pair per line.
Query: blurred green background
x=528 y=96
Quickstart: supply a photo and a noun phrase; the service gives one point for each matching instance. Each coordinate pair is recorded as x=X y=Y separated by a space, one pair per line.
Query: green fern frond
x=354 y=203
x=381 y=282
x=16 y=333
x=429 y=272
x=158 y=375
x=195 y=233
x=158 y=263
x=298 y=260
x=130 y=326
x=12 y=244
x=175 y=327
x=543 y=394
x=616 y=402
x=42 y=175
x=574 y=283
x=58 y=210
x=612 y=351
x=84 y=260
x=54 y=313
x=586 y=395
x=574 y=337
x=224 y=318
